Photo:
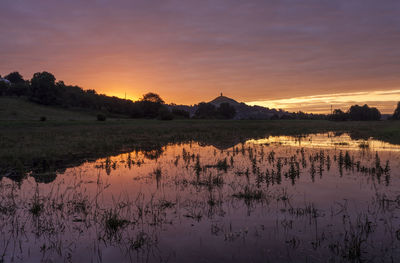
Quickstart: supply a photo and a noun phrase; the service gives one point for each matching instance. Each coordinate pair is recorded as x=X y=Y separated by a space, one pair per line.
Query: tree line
x=362 y=113
x=43 y=89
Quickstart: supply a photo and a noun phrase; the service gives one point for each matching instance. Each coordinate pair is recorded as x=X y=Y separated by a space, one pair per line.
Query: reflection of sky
x=341 y=198
x=190 y=50
x=329 y=140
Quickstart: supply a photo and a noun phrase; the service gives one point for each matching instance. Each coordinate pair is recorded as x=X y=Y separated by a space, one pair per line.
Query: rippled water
x=280 y=199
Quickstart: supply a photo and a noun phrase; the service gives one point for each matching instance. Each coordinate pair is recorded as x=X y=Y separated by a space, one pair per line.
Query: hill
x=243 y=111
x=222 y=99
x=12 y=108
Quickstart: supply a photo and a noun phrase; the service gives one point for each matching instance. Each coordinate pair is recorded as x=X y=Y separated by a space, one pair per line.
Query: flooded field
x=323 y=197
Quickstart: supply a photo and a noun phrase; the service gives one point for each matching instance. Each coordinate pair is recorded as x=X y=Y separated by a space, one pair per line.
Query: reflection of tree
x=338 y=133
x=107 y=165
x=396 y=114
x=45 y=172
x=358 y=136
x=15 y=176
x=46 y=177
x=153 y=154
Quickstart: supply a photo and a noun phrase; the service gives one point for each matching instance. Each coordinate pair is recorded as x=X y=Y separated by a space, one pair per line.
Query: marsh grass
x=363 y=145
x=113 y=222
x=209 y=181
x=73 y=141
x=252 y=181
x=36 y=208
x=36 y=205
x=249 y=194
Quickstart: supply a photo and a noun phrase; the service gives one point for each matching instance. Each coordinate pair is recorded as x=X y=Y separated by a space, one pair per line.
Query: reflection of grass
x=36 y=208
x=136 y=221
x=363 y=145
x=210 y=181
x=249 y=194
x=26 y=142
x=341 y=143
x=113 y=222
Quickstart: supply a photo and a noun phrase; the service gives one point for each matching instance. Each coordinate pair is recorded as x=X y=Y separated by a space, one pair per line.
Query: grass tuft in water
x=249 y=194
x=113 y=223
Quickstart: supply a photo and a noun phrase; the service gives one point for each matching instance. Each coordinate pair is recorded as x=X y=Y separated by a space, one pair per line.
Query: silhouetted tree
x=14 y=86
x=15 y=78
x=43 y=88
x=275 y=116
x=205 y=111
x=149 y=106
x=4 y=87
x=152 y=97
x=19 y=89
x=364 y=113
x=136 y=111
x=226 y=111
x=181 y=113
x=164 y=114
x=287 y=117
x=396 y=114
x=339 y=115
x=149 y=109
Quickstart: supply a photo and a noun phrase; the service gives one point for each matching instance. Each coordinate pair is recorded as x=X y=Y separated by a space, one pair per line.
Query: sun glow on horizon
x=122 y=96
x=385 y=101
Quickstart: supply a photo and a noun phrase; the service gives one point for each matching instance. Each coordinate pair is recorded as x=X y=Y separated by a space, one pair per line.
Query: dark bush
x=101 y=117
x=396 y=114
x=15 y=78
x=226 y=111
x=181 y=113
x=43 y=89
x=339 y=115
x=205 y=111
x=364 y=113
x=274 y=117
x=164 y=114
x=287 y=117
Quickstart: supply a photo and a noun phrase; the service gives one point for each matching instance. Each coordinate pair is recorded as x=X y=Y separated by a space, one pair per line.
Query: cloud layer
x=191 y=50
x=386 y=101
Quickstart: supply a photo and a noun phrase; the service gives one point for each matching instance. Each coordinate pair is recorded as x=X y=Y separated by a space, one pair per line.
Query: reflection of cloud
x=384 y=100
x=328 y=140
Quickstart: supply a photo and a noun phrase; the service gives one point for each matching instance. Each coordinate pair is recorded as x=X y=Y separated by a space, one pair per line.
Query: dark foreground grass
x=26 y=144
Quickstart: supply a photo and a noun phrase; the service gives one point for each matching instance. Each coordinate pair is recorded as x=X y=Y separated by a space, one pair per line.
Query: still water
x=322 y=197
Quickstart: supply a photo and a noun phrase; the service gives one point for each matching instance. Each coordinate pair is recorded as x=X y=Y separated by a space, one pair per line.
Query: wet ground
x=322 y=197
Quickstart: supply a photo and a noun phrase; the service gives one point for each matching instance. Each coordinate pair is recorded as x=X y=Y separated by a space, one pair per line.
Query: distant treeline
x=43 y=89
x=362 y=113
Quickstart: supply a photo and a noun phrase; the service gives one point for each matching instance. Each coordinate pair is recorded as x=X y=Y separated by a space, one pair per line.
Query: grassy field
x=72 y=136
x=20 y=109
x=56 y=143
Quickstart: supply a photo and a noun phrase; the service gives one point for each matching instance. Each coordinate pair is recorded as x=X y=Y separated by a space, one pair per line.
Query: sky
x=292 y=54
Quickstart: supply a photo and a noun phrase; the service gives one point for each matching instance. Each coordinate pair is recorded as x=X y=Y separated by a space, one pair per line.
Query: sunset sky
x=291 y=54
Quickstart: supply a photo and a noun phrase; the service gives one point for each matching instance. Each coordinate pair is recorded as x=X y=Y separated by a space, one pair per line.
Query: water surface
x=322 y=197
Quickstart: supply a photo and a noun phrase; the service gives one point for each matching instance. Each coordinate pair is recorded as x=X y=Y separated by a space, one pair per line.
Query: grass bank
x=32 y=143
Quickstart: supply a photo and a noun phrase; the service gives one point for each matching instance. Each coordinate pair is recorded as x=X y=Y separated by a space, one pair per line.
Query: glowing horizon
x=383 y=100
